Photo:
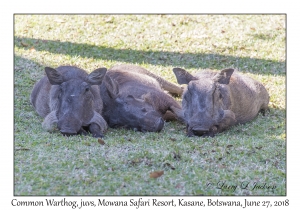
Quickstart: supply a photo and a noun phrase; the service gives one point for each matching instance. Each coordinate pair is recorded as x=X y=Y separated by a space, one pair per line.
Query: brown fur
x=45 y=98
x=214 y=101
x=138 y=89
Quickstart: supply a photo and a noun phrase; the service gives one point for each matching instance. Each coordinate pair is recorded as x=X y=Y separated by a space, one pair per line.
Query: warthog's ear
x=147 y=97
x=54 y=77
x=111 y=86
x=131 y=97
x=96 y=77
x=224 y=76
x=183 y=77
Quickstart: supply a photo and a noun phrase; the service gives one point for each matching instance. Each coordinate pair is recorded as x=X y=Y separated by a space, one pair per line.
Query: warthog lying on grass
x=71 y=98
x=134 y=98
x=214 y=101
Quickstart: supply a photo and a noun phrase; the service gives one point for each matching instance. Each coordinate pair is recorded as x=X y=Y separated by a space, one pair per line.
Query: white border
x=154 y=6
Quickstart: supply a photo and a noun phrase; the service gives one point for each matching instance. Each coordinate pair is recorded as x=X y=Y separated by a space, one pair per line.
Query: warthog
x=71 y=98
x=134 y=98
x=214 y=101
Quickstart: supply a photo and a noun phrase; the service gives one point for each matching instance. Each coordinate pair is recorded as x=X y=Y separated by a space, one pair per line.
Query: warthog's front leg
x=227 y=121
x=82 y=131
x=178 y=112
x=97 y=125
x=95 y=130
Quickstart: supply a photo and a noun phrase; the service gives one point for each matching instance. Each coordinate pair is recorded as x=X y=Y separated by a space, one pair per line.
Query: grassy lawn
x=51 y=164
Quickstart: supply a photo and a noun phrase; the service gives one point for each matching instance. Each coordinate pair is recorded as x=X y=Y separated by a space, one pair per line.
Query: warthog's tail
x=50 y=121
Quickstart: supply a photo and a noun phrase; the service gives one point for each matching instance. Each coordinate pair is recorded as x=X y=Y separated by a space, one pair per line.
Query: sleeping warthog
x=133 y=98
x=70 y=97
x=214 y=101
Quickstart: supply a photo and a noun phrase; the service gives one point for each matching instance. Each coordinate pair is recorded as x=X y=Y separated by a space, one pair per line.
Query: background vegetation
x=51 y=164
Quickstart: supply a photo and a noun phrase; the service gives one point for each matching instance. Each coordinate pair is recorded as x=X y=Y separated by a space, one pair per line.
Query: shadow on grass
x=164 y=58
x=26 y=74
x=26 y=71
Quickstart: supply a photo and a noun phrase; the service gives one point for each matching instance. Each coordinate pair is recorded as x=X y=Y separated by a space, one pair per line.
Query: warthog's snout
x=199 y=131
x=69 y=125
x=67 y=133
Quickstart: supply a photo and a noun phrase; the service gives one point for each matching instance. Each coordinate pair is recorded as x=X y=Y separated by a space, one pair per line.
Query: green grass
x=51 y=164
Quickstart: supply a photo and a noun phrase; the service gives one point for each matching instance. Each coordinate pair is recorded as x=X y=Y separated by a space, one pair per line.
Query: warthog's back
x=128 y=80
x=247 y=96
x=143 y=76
x=39 y=97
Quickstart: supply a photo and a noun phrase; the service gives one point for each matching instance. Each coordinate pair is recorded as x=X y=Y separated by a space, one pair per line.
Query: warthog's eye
x=144 y=110
x=59 y=92
x=85 y=87
x=220 y=95
x=218 y=92
x=126 y=106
